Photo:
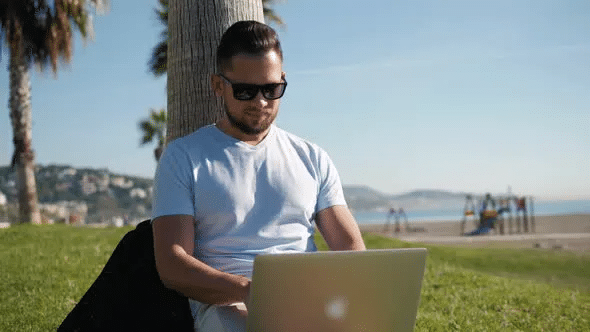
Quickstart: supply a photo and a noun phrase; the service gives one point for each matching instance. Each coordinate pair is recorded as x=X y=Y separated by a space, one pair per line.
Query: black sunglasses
x=245 y=91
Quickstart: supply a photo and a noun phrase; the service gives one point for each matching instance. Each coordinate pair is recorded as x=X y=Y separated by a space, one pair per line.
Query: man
x=242 y=187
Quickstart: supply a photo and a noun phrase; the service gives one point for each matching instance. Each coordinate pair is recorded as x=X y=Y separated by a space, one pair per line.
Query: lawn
x=46 y=269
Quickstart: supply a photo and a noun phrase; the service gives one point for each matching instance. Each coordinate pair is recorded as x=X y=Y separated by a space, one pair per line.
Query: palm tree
x=195 y=29
x=153 y=128
x=38 y=33
x=159 y=60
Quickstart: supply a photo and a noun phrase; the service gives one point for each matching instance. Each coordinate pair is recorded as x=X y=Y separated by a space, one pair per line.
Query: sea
x=540 y=208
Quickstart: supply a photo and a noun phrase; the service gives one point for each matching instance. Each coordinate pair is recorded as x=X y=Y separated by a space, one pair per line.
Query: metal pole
x=532 y=212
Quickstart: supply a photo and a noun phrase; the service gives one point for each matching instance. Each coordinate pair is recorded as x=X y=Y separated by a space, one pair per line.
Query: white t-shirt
x=246 y=200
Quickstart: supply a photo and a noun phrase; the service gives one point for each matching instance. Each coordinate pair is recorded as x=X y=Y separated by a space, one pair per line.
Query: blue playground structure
x=497 y=217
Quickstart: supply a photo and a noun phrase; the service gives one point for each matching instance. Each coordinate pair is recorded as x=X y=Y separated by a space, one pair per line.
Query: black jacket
x=128 y=295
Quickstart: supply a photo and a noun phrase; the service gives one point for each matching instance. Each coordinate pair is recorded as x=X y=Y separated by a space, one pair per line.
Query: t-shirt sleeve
x=173 y=184
x=330 y=191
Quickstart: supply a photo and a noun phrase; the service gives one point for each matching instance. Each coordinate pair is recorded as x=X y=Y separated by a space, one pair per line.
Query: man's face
x=250 y=117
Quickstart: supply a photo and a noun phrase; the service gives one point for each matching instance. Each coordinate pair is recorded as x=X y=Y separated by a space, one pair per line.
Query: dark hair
x=246 y=37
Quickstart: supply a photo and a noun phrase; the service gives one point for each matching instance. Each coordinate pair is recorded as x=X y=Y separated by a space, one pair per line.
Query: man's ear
x=217 y=85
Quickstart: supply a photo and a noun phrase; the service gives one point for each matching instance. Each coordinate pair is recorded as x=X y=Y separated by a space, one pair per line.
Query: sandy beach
x=562 y=232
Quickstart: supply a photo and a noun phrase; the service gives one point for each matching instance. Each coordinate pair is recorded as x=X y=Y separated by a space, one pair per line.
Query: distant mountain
x=431 y=194
x=366 y=198
x=132 y=194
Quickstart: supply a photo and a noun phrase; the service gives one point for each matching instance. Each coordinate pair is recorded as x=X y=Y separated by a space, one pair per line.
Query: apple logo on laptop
x=336 y=308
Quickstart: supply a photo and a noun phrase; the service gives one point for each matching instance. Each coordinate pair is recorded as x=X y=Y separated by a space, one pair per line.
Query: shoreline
x=569 y=232
x=416 y=220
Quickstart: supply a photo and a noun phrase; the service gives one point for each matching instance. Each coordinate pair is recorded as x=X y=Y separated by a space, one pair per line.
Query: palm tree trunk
x=195 y=29
x=21 y=117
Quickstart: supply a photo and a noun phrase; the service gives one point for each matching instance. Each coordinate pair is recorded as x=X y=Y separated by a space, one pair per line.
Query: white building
x=103 y=181
x=138 y=192
x=69 y=211
x=121 y=182
x=67 y=173
x=3 y=199
x=88 y=185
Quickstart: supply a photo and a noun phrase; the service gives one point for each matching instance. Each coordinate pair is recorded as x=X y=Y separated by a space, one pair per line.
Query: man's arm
x=179 y=270
x=339 y=229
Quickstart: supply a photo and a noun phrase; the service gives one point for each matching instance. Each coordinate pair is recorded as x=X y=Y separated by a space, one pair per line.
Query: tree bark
x=195 y=28
x=21 y=118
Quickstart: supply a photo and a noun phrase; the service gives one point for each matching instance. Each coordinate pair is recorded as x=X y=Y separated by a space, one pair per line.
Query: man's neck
x=252 y=139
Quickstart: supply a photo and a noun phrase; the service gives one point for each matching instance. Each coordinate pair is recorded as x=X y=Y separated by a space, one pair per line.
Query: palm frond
x=162 y=12
x=158 y=62
x=159 y=117
x=43 y=33
x=154 y=127
x=270 y=15
x=148 y=131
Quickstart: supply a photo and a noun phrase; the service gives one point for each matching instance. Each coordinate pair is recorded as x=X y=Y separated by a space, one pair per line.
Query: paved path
x=499 y=238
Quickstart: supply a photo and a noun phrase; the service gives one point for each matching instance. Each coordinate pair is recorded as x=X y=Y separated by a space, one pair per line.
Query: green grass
x=499 y=289
x=559 y=268
x=46 y=269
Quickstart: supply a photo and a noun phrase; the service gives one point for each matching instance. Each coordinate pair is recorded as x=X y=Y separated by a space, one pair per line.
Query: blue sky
x=456 y=95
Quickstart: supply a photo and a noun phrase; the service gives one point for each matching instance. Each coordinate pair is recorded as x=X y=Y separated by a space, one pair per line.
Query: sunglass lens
x=273 y=91
x=244 y=91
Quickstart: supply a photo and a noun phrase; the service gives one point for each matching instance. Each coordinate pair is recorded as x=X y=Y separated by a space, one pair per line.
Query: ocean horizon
x=540 y=208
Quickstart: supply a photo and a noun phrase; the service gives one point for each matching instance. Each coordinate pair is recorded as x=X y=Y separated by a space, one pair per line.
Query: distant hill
x=133 y=194
x=367 y=198
x=431 y=194
x=99 y=193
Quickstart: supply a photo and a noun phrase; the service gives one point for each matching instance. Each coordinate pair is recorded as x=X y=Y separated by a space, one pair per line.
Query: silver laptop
x=373 y=290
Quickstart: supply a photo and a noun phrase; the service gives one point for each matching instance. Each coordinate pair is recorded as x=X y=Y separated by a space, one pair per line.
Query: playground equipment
x=494 y=219
x=504 y=208
x=397 y=216
x=468 y=213
x=488 y=218
x=392 y=215
x=527 y=211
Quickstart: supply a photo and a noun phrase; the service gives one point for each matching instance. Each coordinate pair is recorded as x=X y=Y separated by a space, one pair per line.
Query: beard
x=246 y=128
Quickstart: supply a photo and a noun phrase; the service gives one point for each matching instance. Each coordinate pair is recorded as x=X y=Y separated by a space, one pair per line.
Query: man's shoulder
x=192 y=144
x=303 y=148
x=195 y=137
x=295 y=140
